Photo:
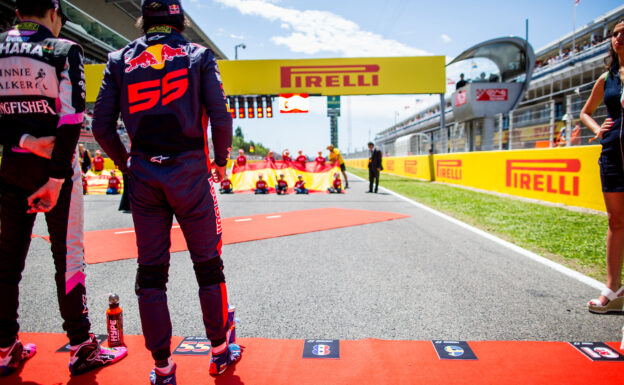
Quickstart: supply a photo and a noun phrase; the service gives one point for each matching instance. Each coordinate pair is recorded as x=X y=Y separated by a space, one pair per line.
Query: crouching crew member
x=113 y=184
x=282 y=186
x=300 y=185
x=261 y=186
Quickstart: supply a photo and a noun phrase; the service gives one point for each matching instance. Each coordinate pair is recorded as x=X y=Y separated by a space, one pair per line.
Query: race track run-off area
x=409 y=298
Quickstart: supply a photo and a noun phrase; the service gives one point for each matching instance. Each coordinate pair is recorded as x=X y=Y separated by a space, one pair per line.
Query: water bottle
x=114 y=321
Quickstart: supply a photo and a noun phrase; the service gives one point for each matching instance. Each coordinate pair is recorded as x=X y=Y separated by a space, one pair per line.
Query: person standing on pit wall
x=608 y=87
x=374 y=167
x=170 y=172
x=335 y=156
x=461 y=82
x=40 y=174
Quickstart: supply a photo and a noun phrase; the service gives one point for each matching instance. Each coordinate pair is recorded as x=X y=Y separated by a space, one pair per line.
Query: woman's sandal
x=615 y=301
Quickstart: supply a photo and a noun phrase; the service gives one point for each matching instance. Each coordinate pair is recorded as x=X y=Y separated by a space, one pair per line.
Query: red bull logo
x=410 y=166
x=554 y=176
x=365 y=75
x=449 y=169
x=154 y=56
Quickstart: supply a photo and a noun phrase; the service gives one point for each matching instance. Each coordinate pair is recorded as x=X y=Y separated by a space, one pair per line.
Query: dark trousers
x=373 y=177
x=65 y=226
x=124 y=204
x=180 y=187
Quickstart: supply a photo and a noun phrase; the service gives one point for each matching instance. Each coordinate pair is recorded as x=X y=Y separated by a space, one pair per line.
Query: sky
x=296 y=29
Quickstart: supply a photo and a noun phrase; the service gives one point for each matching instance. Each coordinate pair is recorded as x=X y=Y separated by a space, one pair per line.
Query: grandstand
x=563 y=75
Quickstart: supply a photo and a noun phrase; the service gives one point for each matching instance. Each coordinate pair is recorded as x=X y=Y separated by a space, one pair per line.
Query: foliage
x=238 y=142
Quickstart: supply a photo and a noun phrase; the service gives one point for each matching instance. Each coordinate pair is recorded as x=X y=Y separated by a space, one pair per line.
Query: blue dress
x=612 y=155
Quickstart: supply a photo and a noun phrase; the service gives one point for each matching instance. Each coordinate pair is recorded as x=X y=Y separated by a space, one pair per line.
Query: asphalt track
x=419 y=278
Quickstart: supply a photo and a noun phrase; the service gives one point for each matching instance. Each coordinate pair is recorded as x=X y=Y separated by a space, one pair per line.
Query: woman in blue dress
x=609 y=88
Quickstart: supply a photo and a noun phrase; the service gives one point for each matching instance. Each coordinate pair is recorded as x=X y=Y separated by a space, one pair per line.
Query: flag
x=576 y=2
x=294 y=103
x=317 y=177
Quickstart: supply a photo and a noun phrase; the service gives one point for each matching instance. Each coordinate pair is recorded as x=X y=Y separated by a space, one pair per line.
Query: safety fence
x=567 y=175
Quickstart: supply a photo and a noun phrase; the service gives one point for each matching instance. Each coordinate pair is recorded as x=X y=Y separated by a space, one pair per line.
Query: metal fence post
x=552 y=123
x=568 y=122
x=511 y=114
x=500 y=132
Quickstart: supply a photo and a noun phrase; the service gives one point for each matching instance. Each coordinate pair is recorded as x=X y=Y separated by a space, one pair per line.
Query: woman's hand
x=606 y=126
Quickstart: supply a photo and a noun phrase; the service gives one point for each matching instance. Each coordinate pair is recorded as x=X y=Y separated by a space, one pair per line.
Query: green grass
x=574 y=239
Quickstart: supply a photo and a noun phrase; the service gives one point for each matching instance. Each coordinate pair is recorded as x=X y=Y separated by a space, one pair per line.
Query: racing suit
x=163 y=86
x=42 y=94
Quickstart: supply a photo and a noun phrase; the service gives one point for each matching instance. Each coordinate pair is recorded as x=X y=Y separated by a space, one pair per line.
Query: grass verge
x=574 y=239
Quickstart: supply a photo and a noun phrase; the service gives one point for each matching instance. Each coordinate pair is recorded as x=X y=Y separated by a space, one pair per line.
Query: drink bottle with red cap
x=114 y=321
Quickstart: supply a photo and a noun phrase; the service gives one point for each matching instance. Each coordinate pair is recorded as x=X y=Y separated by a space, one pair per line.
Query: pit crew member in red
x=226 y=186
x=282 y=186
x=261 y=186
x=242 y=159
x=162 y=84
x=98 y=161
x=301 y=160
x=113 y=184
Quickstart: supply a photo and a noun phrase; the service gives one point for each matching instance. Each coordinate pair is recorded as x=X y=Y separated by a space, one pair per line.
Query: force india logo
x=364 y=75
x=554 y=176
x=449 y=169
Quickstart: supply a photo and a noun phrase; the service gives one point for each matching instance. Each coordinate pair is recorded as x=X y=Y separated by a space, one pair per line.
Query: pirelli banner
x=560 y=175
x=418 y=166
x=345 y=76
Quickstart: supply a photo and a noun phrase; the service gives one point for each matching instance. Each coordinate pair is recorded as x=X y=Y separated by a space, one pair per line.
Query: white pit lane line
x=273 y=216
x=132 y=231
x=537 y=258
x=242 y=220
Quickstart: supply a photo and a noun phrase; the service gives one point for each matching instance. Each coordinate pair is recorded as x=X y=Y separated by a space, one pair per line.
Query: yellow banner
x=94 y=73
x=568 y=175
x=411 y=166
x=343 y=76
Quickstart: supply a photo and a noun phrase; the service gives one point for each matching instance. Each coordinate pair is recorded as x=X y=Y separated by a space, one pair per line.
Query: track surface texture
x=418 y=278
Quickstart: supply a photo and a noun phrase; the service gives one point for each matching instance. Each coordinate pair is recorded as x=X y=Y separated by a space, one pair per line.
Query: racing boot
x=158 y=378
x=90 y=355
x=13 y=356
x=220 y=362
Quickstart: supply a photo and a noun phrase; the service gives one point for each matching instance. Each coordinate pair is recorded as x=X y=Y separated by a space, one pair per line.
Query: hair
x=179 y=22
x=612 y=61
x=371 y=144
x=28 y=8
